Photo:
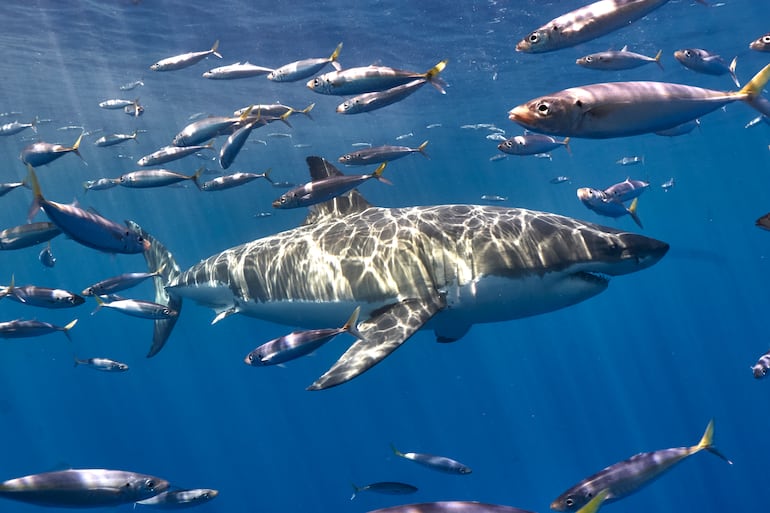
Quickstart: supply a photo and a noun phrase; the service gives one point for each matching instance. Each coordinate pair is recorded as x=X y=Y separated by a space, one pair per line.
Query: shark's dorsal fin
x=340 y=206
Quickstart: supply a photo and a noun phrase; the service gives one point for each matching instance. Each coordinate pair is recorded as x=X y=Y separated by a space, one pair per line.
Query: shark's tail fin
x=161 y=260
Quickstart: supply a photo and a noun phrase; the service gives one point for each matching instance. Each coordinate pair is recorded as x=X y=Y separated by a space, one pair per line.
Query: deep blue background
x=533 y=405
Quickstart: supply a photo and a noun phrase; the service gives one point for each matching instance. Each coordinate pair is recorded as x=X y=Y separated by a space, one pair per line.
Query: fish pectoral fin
x=603 y=110
x=382 y=334
x=223 y=313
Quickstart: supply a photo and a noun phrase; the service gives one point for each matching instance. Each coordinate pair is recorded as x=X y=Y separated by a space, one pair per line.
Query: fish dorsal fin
x=340 y=206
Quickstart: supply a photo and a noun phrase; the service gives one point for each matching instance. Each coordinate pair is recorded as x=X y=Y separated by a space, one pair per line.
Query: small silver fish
x=440 y=463
x=100 y=184
x=170 y=153
x=302 y=69
x=26 y=235
x=117 y=103
x=497 y=158
x=128 y=86
x=703 y=61
x=324 y=189
x=184 y=60
x=102 y=364
x=235 y=71
x=559 y=179
x=46 y=257
x=118 y=283
x=433 y=125
x=41 y=153
x=385 y=487
x=137 y=308
x=494 y=197
x=177 y=499
x=630 y=161
x=404 y=136
x=20 y=328
x=113 y=139
x=622 y=60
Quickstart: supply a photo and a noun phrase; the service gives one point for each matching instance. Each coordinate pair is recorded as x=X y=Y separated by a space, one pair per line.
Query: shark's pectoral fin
x=382 y=334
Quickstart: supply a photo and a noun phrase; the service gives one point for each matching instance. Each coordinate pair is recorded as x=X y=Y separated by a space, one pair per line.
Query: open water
x=533 y=406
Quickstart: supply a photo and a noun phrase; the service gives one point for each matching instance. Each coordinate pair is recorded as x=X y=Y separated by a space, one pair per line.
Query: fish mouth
x=521 y=115
x=522 y=46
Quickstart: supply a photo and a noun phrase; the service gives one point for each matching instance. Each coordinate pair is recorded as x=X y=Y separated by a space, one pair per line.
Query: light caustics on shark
x=443 y=267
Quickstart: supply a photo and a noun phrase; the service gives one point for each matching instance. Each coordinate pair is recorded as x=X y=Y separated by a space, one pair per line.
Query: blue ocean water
x=533 y=405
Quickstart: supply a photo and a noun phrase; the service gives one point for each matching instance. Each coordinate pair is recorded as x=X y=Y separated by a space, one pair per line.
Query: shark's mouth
x=592 y=277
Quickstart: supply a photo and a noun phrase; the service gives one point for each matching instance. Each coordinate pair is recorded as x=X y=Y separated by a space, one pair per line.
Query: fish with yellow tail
x=87 y=228
x=325 y=189
x=41 y=153
x=184 y=60
x=371 y=79
x=302 y=69
x=628 y=476
x=620 y=109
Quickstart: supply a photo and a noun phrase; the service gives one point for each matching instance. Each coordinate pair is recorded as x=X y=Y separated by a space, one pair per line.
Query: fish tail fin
x=8 y=290
x=395 y=451
x=37 y=195
x=336 y=53
x=214 y=49
x=34 y=123
x=306 y=110
x=267 y=174
x=567 y=146
x=657 y=58
x=161 y=259
x=707 y=443
x=133 y=136
x=355 y=491
x=632 y=212
x=432 y=76
x=195 y=177
x=733 y=64
x=74 y=147
x=378 y=173
x=99 y=304
x=421 y=149
x=77 y=362
x=351 y=326
x=66 y=329
x=754 y=86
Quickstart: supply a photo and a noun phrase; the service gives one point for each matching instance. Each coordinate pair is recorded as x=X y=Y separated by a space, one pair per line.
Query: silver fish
x=16 y=127
x=440 y=463
x=668 y=184
x=297 y=343
x=622 y=109
x=601 y=203
x=371 y=79
x=42 y=296
x=385 y=487
x=586 y=23
x=20 y=328
x=235 y=71
x=46 y=257
x=137 y=308
x=531 y=144
x=5 y=188
x=102 y=364
x=128 y=86
x=118 y=283
x=368 y=102
x=100 y=184
x=760 y=368
x=87 y=228
x=626 y=477
x=26 y=235
x=180 y=498
x=380 y=154
x=170 y=153
x=494 y=197
x=146 y=178
x=630 y=161
x=41 y=153
x=202 y=130
x=703 y=61
x=612 y=60
x=302 y=69
x=319 y=191
x=221 y=183
x=113 y=139
x=83 y=488
x=559 y=179
x=184 y=60
x=117 y=103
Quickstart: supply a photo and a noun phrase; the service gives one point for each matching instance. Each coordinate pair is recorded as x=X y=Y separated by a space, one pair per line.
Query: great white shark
x=442 y=267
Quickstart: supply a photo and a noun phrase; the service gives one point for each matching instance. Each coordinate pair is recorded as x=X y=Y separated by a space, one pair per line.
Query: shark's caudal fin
x=161 y=260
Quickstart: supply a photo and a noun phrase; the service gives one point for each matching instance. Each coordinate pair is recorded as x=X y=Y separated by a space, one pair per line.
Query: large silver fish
x=586 y=23
x=184 y=60
x=83 y=488
x=628 y=476
x=618 y=109
x=442 y=267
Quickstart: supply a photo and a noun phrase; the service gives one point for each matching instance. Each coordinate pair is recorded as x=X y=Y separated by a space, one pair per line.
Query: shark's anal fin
x=382 y=334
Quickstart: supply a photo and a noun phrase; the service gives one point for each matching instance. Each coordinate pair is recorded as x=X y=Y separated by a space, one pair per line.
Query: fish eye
x=569 y=502
x=533 y=38
x=166 y=311
x=543 y=107
x=589 y=59
x=687 y=53
x=283 y=200
x=590 y=495
x=766 y=39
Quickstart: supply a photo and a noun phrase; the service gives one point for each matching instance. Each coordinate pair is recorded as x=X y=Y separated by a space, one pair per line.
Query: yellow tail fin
x=754 y=87
x=707 y=443
x=595 y=503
